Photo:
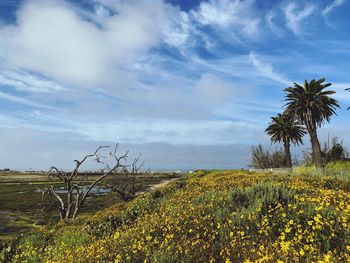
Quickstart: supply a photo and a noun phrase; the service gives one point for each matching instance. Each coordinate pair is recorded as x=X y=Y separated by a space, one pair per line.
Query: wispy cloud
x=295 y=16
x=23 y=101
x=341 y=93
x=267 y=70
x=28 y=82
x=200 y=132
x=238 y=15
x=269 y=18
x=334 y=4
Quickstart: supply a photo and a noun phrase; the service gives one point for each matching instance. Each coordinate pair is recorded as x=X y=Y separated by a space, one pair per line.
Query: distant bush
x=157 y=194
x=264 y=157
x=332 y=151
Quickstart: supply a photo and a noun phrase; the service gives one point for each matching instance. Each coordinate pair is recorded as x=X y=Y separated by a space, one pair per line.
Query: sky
x=189 y=84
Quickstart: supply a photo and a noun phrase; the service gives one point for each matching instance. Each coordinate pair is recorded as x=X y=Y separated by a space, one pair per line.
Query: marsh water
x=96 y=190
x=21 y=202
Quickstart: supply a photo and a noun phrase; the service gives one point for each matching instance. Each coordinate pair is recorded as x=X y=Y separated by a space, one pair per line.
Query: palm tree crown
x=311 y=104
x=283 y=128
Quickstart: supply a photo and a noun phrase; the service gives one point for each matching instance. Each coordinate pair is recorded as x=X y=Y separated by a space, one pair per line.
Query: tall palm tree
x=312 y=105
x=286 y=129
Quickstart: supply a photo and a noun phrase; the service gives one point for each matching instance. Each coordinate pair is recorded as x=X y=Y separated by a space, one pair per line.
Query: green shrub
x=72 y=238
x=180 y=184
x=157 y=194
x=7 y=248
x=263 y=193
x=29 y=247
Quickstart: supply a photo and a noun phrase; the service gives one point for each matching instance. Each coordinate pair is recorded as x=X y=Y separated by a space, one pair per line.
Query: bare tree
x=78 y=187
x=265 y=158
x=128 y=188
x=260 y=157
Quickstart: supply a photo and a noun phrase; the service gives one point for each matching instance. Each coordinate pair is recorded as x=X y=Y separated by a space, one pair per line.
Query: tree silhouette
x=286 y=129
x=312 y=105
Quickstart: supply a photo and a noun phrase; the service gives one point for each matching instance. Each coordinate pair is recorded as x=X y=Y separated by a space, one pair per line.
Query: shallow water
x=4 y=217
x=96 y=190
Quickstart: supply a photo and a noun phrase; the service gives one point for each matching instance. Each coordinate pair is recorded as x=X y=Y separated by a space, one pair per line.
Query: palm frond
x=284 y=128
x=311 y=104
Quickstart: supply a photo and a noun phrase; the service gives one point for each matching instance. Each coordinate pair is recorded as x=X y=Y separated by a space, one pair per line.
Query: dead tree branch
x=78 y=187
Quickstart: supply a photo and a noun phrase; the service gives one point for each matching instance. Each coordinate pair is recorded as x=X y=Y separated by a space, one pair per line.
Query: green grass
x=339 y=169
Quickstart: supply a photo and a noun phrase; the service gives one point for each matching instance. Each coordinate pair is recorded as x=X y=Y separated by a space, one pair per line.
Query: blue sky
x=190 y=84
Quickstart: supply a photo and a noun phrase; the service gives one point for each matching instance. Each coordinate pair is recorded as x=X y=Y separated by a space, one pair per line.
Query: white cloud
x=329 y=8
x=341 y=93
x=52 y=39
x=269 y=18
x=213 y=91
x=267 y=70
x=140 y=130
x=295 y=16
x=237 y=15
x=23 y=101
x=170 y=24
x=22 y=81
x=200 y=132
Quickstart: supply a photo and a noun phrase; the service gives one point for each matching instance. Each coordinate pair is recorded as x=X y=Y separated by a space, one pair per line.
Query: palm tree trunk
x=316 y=151
x=288 y=156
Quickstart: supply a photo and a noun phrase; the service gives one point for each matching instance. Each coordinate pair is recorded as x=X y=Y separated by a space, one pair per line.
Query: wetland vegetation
x=22 y=207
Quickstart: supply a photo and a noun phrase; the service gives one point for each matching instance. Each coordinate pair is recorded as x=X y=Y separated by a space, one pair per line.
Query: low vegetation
x=22 y=208
x=218 y=216
x=340 y=169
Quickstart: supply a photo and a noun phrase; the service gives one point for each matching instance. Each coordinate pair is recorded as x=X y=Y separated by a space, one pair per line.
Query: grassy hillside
x=219 y=216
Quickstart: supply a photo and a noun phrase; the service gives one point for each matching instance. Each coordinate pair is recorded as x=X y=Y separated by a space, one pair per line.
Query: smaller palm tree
x=286 y=129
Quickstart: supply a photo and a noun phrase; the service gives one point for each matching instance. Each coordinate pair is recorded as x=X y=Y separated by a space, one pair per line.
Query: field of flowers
x=217 y=216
